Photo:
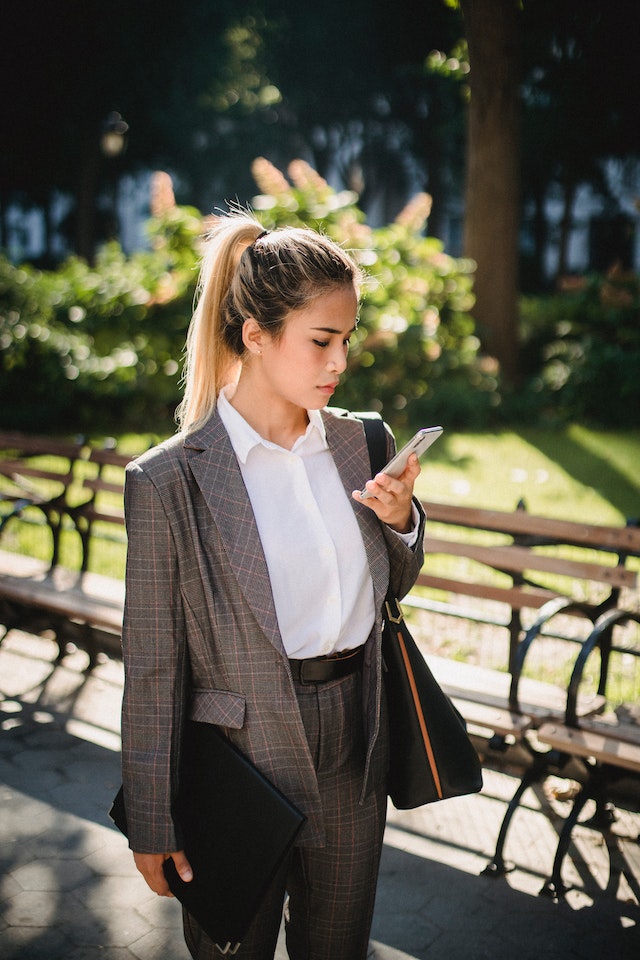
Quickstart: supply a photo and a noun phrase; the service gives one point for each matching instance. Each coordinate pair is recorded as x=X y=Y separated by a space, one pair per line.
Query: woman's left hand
x=391 y=498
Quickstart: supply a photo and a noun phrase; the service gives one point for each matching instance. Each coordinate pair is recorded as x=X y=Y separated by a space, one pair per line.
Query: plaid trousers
x=328 y=892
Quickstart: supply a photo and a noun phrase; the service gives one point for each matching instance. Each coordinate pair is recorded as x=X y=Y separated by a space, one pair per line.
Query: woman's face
x=303 y=366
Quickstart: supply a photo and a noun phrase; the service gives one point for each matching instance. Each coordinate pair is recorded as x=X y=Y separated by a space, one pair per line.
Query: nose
x=337 y=361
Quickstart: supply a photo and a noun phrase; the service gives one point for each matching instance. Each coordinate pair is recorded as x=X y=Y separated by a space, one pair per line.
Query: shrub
x=583 y=348
x=97 y=348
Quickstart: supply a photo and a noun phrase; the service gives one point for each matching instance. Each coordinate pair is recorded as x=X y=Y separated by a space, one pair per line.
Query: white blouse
x=310 y=536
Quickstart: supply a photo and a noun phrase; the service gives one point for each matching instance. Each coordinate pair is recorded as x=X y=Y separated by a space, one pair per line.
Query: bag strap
x=376 y=435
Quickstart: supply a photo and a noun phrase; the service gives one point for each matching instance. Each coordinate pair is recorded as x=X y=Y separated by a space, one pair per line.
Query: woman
x=252 y=570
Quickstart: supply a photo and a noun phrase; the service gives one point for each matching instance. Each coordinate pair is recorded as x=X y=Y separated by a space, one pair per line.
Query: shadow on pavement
x=69 y=889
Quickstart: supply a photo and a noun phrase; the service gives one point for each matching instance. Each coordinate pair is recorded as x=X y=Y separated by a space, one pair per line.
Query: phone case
x=419 y=443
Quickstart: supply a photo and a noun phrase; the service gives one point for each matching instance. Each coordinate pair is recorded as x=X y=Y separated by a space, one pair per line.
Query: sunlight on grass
x=575 y=474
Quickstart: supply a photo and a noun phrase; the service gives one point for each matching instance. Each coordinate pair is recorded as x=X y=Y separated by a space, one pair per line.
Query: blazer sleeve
x=405 y=562
x=156 y=669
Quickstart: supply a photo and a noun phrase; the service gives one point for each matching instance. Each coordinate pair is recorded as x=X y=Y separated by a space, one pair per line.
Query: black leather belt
x=323 y=669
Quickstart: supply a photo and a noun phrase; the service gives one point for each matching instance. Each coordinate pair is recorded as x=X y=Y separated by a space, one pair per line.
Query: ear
x=253 y=336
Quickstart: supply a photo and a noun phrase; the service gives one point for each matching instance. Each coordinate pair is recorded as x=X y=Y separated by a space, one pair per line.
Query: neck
x=275 y=419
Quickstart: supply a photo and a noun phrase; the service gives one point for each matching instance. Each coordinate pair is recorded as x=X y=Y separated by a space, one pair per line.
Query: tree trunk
x=492 y=213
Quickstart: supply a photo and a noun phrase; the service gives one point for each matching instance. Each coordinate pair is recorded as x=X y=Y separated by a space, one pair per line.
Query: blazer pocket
x=222 y=707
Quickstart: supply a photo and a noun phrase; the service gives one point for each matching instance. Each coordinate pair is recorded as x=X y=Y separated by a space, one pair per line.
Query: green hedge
x=582 y=348
x=95 y=349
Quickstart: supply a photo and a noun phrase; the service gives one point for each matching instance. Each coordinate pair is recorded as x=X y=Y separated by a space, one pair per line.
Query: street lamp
x=105 y=144
x=114 y=130
x=112 y=144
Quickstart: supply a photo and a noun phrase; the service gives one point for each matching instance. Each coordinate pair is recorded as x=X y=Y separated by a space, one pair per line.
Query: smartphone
x=420 y=442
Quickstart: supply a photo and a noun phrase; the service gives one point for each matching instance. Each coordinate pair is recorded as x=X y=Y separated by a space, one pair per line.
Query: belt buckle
x=301 y=677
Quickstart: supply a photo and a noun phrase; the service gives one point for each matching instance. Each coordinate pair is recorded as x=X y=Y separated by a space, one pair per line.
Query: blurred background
x=480 y=157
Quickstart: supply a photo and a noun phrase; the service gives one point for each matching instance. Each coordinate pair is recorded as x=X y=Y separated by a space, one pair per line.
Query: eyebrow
x=334 y=331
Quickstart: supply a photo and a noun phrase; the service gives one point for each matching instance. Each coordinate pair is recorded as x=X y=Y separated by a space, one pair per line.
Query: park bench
x=36 y=472
x=554 y=569
x=77 y=485
x=607 y=745
x=68 y=496
x=533 y=577
x=549 y=569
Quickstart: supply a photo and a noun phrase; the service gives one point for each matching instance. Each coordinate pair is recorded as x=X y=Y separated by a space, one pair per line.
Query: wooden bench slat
x=105 y=516
x=517 y=597
x=610 y=726
x=538 y=700
x=18 y=470
x=98 y=485
x=27 y=444
x=109 y=458
x=521 y=522
x=589 y=743
x=495 y=719
x=96 y=600
x=521 y=559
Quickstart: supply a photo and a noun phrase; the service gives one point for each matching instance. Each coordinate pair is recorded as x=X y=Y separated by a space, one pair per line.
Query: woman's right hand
x=150 y=866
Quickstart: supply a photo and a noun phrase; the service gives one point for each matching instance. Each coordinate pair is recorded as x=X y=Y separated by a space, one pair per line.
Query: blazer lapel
x=215 y=469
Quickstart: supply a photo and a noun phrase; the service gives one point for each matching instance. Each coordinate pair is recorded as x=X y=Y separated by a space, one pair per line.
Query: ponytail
x=209 y=360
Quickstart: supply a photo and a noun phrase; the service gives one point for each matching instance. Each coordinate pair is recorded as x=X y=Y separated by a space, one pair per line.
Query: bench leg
x=498 y=867
x=605 y=812
x=554 y=887
x=595 y=788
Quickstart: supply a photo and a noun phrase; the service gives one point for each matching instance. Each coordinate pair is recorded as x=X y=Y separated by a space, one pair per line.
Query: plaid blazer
x=200 y=634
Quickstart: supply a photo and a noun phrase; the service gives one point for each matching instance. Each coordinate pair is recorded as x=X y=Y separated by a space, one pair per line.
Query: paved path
x=69 y=891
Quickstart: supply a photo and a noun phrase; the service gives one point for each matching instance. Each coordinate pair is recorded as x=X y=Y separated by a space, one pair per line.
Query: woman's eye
x=325 y=343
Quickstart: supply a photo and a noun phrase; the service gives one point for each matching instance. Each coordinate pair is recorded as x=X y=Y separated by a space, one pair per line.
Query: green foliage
x=97 y=348
x=455 y=66
x=583 y=350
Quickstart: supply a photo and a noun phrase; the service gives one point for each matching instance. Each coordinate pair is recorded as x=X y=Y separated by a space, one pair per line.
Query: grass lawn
x=573 y=473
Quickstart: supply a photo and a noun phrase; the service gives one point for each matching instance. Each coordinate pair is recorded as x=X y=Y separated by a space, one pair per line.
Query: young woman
x=252 y=567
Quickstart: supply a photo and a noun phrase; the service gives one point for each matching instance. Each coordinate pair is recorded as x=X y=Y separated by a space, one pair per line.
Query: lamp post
x=114 y=131
x=100 y=144
x=112 y=146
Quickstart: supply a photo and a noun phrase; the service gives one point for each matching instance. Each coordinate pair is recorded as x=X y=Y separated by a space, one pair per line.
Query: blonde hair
x=249 y=272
